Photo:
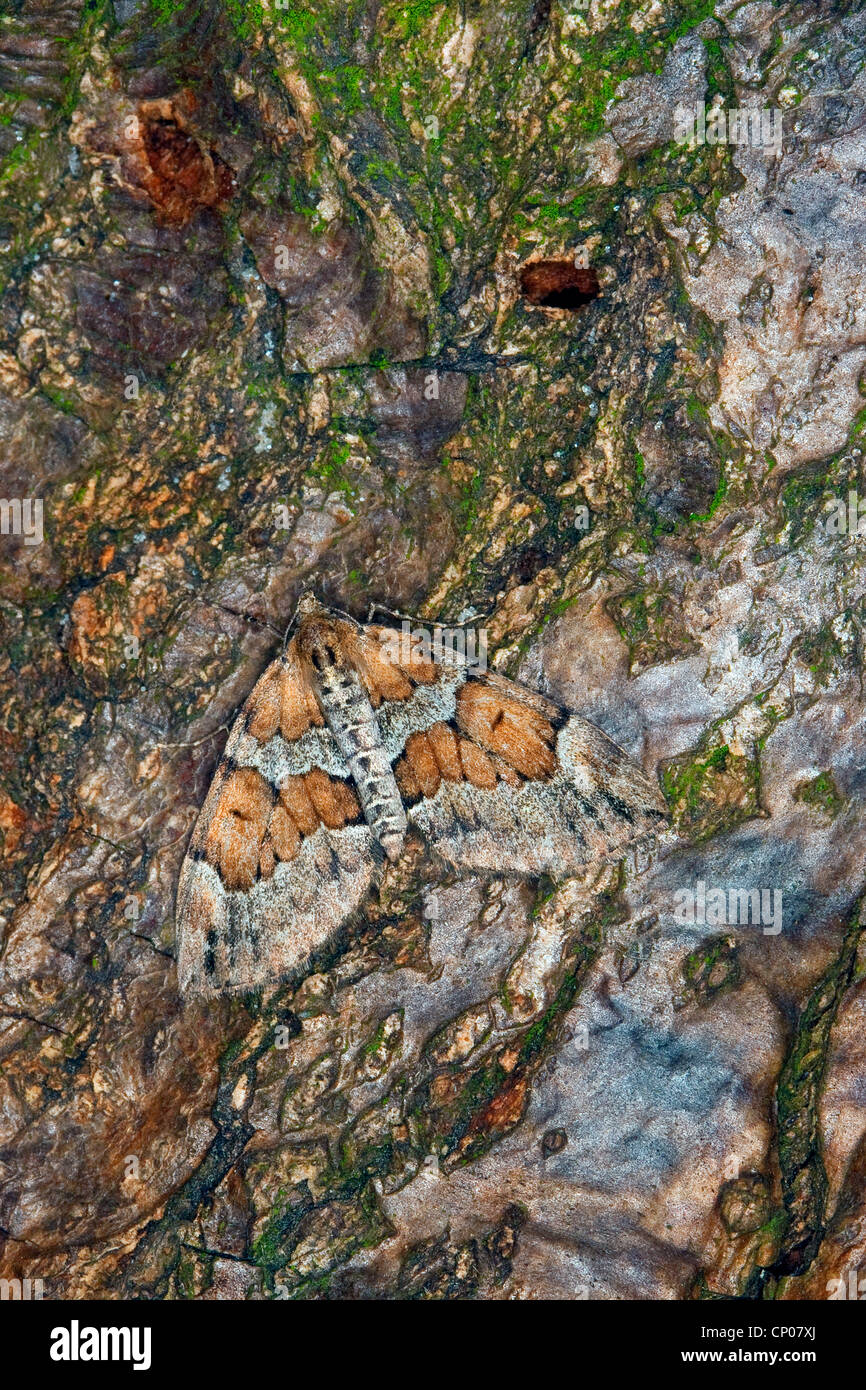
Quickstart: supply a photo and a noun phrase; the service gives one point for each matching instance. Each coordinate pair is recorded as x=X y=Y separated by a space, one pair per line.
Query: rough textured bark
x=267 y=320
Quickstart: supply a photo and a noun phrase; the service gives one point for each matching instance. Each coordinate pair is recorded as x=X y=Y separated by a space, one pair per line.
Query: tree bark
x=499 y=311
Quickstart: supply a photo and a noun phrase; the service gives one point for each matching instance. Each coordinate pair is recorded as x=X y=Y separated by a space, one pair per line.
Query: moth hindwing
x=352 y=733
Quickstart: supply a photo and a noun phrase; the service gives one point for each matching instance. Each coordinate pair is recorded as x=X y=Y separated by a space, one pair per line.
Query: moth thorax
x=321 y=640
x=342 y=692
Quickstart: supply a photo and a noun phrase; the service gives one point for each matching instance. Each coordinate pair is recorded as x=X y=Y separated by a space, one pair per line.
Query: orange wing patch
x=477 y=767
x=296 y=800
x=505 y=772
x=384 y=680
x=407 y=782
x=237 y=828
x=284 y=834
x=335 y=802
x=518 y=734
x=299 y=707
x=391 y=664
x=439 y=754
x=263 y=706
x=416 y=666
x=422 y=760
x=282 y=700
x=251 y=831
x=443 y=741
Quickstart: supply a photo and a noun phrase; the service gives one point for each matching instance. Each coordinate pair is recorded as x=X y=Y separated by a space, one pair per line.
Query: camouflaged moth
x=349 y=736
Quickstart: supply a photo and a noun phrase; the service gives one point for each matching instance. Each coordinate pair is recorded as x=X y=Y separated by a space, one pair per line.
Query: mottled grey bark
x=263 y=324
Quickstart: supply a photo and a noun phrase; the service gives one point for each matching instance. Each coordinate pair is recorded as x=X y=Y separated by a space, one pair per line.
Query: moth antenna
x=249 y=618
x=465 y=622
x=428 y=622
x=194 y=743
x=391 y=613
x=293 y=623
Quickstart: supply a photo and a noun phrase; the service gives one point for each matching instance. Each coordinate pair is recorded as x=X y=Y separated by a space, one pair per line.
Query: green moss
x=230 y=1054
x=330 y=469
x=559 y=220
x=164 y=11
x=347 y=80
x=718 y=498
x=539 y=1034
x=801 y=499
x=801 y=1160
x=822 y=653
x=858 y=428
x=277 y=1239
x=822 y=793
x=412 y=17
x=468 y=504
x=246 y=16
x=639 y=473
x=650 y=621
x=773 y=715
x=713 y=967
x=480 y=1088
x=297 y=22
x=687 y=15
x=711 y=794
x=689 y=780
x=67 y=404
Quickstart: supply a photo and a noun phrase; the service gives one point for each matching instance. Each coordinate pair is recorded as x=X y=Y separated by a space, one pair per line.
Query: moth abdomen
x=353 y=723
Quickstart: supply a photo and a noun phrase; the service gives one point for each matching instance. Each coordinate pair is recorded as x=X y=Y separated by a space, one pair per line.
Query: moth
x=353 y=733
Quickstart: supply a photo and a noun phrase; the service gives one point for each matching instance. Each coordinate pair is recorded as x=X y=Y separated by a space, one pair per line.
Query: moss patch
x=822 y=793
x=714 y=966
x=711 y=793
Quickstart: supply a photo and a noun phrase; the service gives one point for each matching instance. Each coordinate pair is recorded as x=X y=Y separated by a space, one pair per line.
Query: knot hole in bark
x=558 y=284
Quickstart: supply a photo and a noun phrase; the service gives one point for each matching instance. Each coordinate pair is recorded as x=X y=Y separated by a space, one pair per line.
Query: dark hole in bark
x=540 y=16
x=528 y=563
x=558 y=285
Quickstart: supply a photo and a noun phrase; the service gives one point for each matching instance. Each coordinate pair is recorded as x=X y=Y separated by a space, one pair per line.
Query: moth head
x=307 y=605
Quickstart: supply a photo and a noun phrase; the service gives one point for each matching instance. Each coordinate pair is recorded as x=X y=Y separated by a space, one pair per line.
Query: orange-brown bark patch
x=12 y=822
x=505 y=1109
x=183 y=174
x=559 y=284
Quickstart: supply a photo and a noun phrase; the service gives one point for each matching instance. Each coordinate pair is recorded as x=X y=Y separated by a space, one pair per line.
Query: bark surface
x=433 y=305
